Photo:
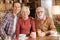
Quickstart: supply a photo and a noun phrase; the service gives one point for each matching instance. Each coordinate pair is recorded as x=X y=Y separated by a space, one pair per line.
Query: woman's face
x=25 y=12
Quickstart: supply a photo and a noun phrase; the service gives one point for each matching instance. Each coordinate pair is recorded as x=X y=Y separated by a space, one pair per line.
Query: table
x=45 y=38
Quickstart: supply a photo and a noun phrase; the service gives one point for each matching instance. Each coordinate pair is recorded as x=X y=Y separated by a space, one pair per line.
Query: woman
x=26 y=24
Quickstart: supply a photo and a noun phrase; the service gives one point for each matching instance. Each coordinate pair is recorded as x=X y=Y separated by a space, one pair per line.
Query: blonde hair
x=25 y=8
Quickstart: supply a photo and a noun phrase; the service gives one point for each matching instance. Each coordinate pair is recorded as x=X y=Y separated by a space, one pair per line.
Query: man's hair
x=16 y=2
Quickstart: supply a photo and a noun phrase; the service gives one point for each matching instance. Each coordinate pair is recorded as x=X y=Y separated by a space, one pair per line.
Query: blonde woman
x=26 y=24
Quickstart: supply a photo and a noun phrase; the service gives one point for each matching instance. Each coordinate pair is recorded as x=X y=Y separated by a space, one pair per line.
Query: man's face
x=17 y=8
x=40 y=12
x=25 y=12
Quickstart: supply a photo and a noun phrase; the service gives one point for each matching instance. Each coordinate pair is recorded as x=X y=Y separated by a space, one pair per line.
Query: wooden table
x=45 y=38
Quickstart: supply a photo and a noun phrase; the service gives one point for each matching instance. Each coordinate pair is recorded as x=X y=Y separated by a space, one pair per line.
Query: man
x=8 y=25
x=44 y=24
x=25 y=25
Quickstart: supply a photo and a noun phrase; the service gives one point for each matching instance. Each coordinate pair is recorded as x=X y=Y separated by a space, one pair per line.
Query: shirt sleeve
x=33 y=25
x=18 y=29
x=52 y=26
x=3 y=24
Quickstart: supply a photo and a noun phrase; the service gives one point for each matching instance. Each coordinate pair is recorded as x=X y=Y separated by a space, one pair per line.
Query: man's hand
x=43 y=34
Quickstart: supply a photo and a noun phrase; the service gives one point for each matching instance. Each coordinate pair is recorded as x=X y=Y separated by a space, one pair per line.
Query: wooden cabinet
x=9 y=6
x=2 y=7
x=57 y=2
x=9 y=3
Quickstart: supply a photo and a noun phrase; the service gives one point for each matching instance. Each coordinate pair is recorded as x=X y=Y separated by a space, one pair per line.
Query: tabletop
x=45 y=38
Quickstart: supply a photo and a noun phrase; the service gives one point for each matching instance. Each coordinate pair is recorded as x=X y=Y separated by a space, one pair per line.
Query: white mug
x=22 y=36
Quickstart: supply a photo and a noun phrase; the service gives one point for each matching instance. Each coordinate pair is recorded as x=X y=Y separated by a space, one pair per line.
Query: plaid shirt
x=7 y=25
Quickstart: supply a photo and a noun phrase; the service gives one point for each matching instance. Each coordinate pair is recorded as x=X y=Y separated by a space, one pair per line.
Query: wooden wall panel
x=57 y=2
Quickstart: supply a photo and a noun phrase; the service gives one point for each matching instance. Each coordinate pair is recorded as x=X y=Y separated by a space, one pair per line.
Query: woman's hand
x=33 y=34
